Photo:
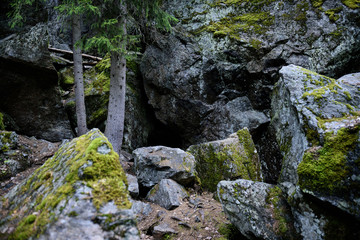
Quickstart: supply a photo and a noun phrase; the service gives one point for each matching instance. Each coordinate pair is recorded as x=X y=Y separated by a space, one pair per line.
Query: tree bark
x=78 y=75
x=116 y=110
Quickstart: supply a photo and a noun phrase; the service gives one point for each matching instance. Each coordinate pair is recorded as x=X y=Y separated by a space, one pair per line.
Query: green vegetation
x=254 y=21
x=332 y=13
x=227 y=162
x=323 y=169
x=353 y=4
x=274 y=201
x=229 y=231
x=317 y=3
x=326 y=85
x=102 y=172
x=2 y=125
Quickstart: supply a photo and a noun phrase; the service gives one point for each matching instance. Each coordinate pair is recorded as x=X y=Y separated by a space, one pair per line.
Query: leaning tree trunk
x=116 y=110
x=78 y=75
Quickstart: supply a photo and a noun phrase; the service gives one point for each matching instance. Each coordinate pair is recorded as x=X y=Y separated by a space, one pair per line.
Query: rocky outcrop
x=231 y=158
x=28 y=86
x=167 y=194
x=257 y=209
x=152 y=164
x=216 y=72
x=79 y=193
x=317 y=127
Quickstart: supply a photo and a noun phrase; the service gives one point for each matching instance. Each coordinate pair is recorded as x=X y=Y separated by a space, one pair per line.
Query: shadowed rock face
x=28 y=87
x=226 y=52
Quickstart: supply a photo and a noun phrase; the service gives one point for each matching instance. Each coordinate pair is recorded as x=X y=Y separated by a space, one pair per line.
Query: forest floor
x=199 y=216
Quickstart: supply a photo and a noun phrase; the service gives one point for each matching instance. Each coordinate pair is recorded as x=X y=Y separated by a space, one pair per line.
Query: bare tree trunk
x=116 y=110
x=78 y=75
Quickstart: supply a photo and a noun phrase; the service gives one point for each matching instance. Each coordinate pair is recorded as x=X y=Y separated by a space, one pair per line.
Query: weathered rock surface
x=161 y=230
x=231 y=158
x=167 y=194
x=152 y=164
x=317 y=127
x=133 y=185
x=257 y=209
x=28 y=86
x=226 y=52
x=80 y=193
x=13 y=157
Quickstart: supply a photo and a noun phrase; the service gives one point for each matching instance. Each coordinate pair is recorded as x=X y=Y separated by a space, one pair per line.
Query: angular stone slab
x=168 y=194
x=152 y=164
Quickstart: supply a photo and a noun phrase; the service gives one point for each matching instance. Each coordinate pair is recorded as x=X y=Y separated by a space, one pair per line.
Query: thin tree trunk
x=78 y=75
x=116 y=110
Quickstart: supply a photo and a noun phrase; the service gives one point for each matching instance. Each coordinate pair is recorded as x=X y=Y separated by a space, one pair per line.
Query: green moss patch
x=276 y=204
x=226 y=162
x=89 y=160
x=324 y=168
x=2 y=125
x=353 y=4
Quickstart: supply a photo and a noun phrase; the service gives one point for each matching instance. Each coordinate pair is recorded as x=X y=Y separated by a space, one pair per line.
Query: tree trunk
x=116 y=110
x=78 y=75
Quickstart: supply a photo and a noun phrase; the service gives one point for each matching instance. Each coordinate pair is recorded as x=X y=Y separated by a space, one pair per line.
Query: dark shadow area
x=269 y=152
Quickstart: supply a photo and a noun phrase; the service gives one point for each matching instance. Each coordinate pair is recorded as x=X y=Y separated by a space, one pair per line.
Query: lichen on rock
x=231 y=158
x=83 y=181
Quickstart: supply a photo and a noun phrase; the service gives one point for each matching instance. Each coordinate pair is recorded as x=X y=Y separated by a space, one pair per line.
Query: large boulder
x=28 y=86
x=257 y=209
x=79 y=193
x=231 y=158
x=216 y=72
x=316 y=119
x=152 y=164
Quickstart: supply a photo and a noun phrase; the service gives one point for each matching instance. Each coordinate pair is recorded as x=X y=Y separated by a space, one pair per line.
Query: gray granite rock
x=133 y=185
x=168 y=194
x=257 y=209
x=151 y=164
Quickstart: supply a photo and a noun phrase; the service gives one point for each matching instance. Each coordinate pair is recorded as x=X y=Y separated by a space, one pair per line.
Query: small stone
x=197 y=219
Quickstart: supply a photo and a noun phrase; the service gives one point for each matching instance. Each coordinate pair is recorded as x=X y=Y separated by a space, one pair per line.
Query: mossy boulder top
x=317 y=119
x=81 y=192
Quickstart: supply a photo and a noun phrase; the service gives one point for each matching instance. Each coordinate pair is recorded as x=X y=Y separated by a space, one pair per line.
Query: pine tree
x=75 y=9
x=116 y=16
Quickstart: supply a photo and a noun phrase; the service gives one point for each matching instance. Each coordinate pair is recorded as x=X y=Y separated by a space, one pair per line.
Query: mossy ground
x=324 y=168
x=229 y=162
x=104 y=176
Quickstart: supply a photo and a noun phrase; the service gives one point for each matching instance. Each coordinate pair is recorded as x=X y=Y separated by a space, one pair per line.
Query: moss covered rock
x=317 y=123
x=231 y=158
x=79 y=193
x=257 y=209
